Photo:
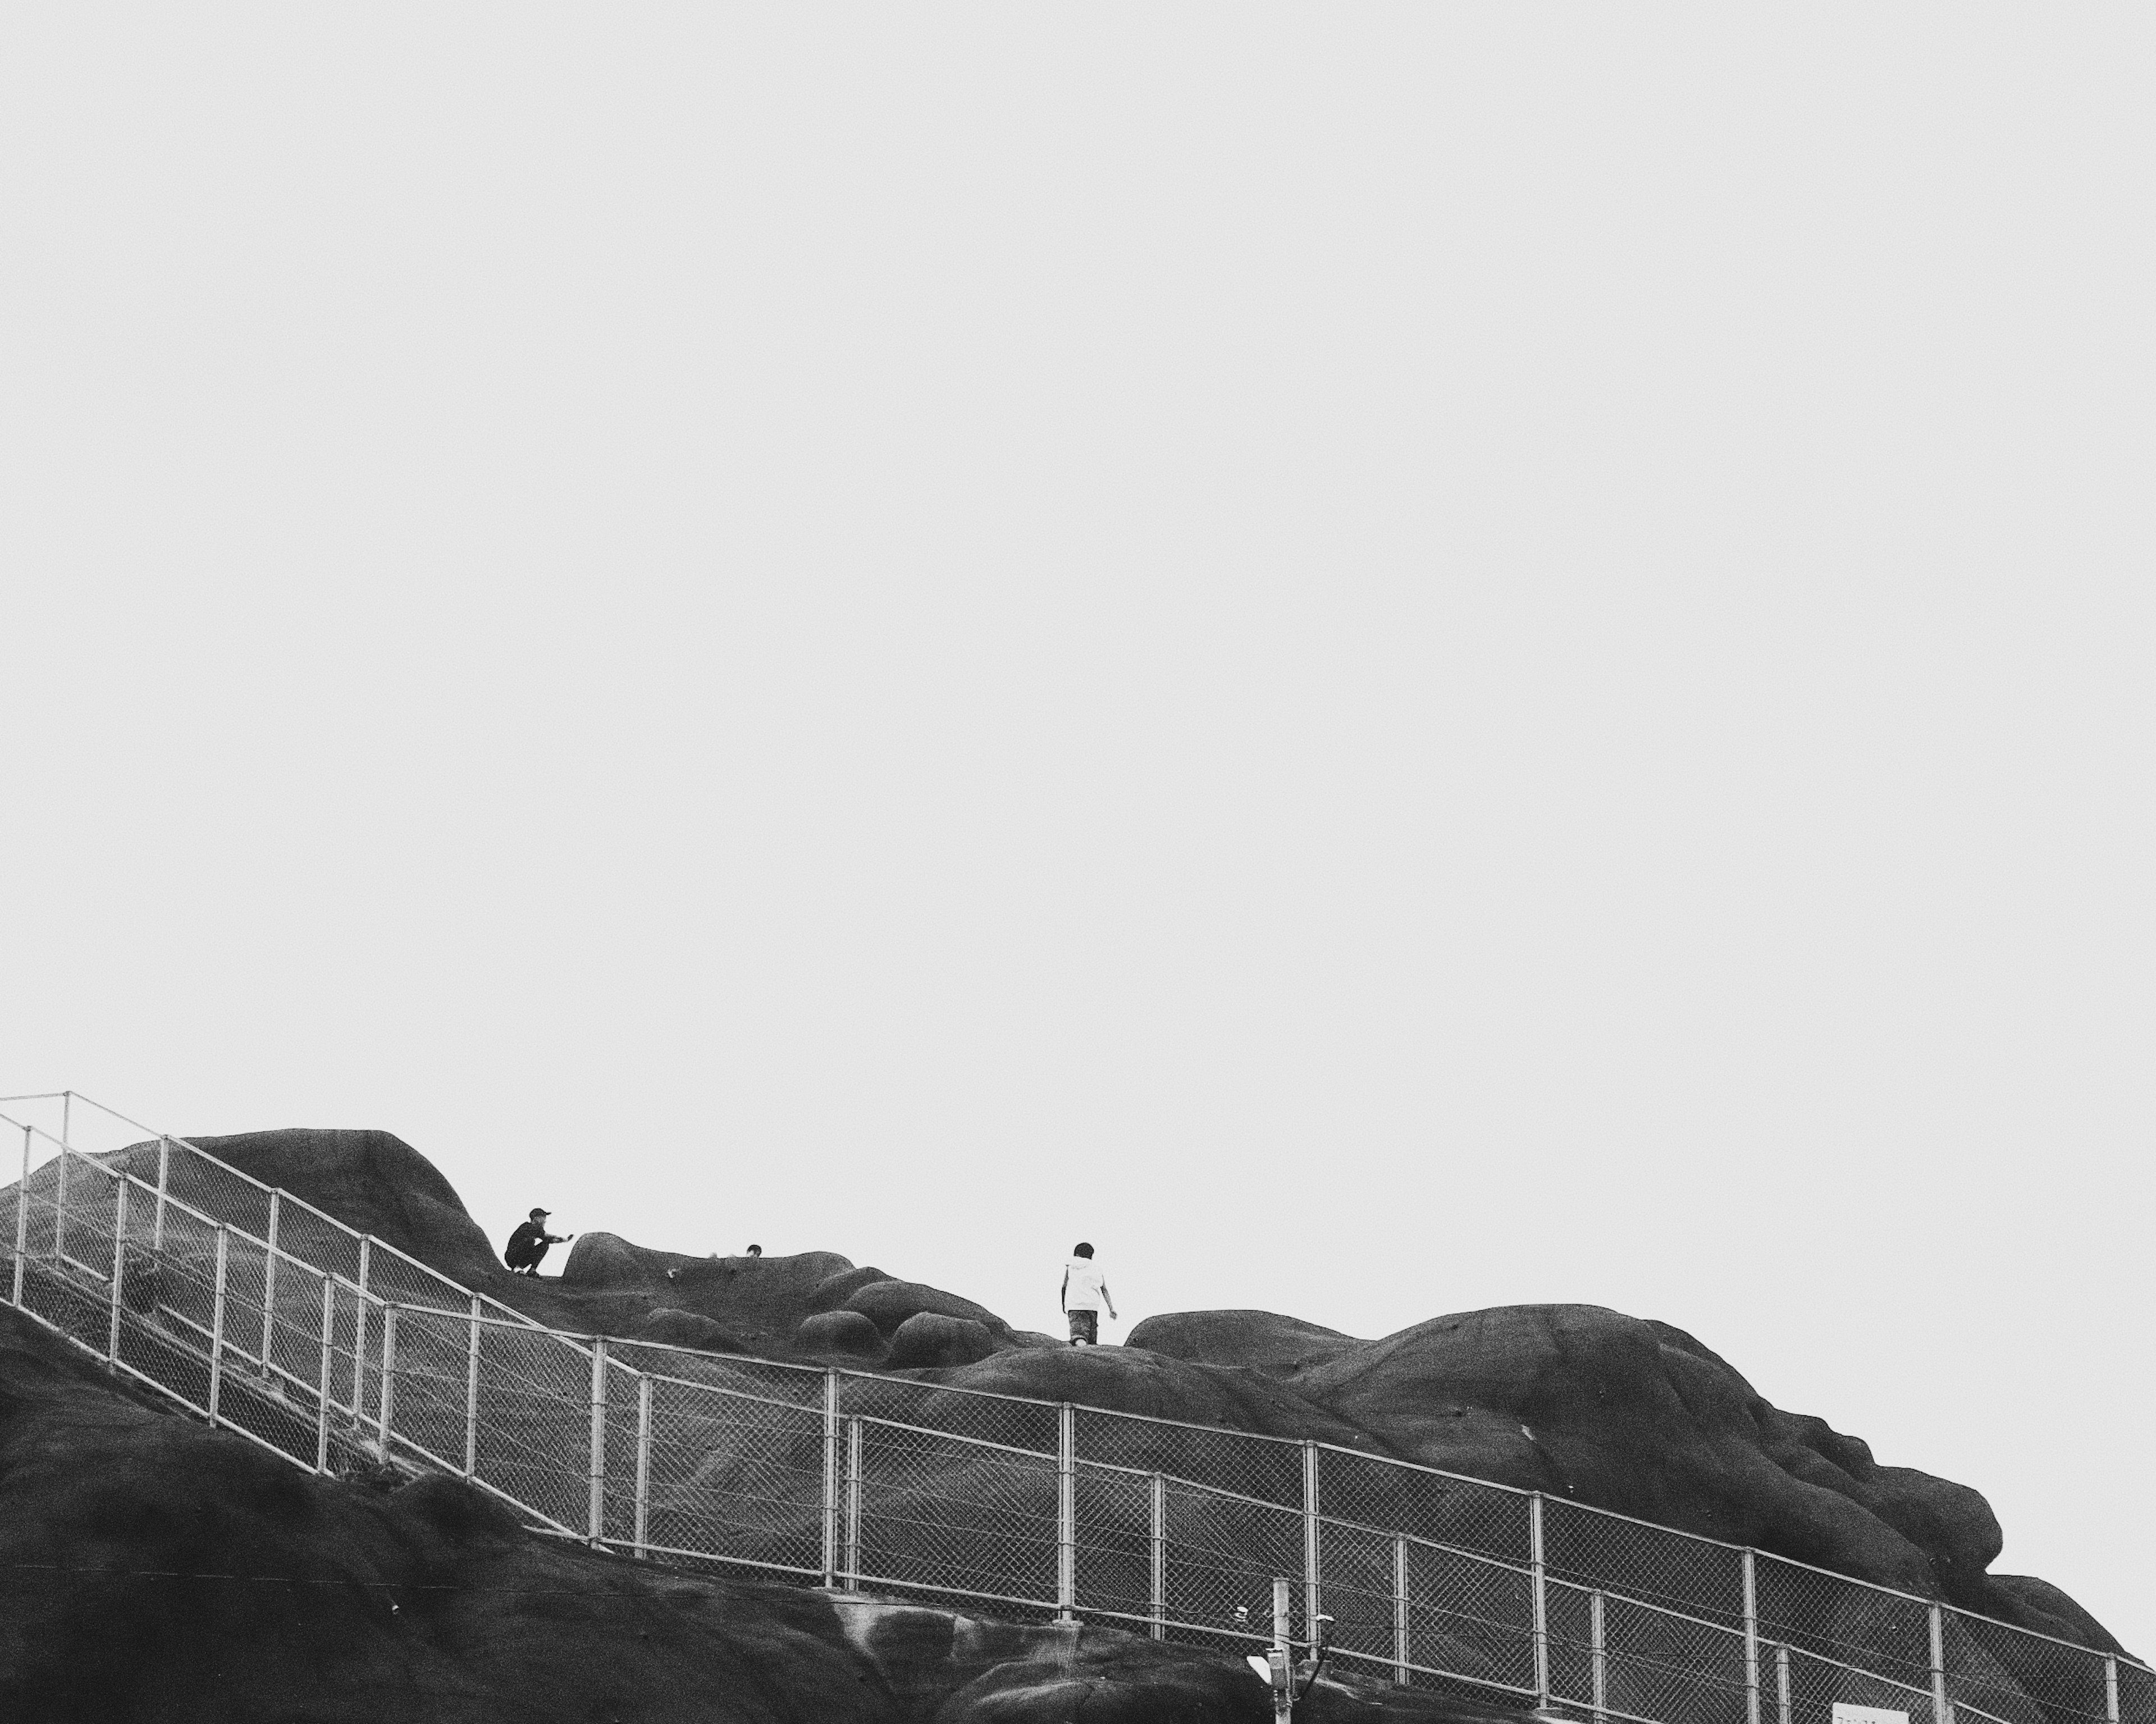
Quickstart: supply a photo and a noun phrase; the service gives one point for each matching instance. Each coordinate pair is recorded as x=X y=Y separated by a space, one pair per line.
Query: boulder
x=1260 y=1339
x=605 y=1262
x=685 y=1328
x=928 y=1339
x=888 y=1304
x=840 y=1331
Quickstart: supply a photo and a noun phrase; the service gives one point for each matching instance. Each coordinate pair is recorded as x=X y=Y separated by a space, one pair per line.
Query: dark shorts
x=1086 y=1326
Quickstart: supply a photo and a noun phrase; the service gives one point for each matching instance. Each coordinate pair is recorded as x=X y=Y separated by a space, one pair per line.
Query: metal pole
x=1283 y=1653
x=1159 y=1557
x=389 y=1374
x=2111 y=1690
x=1751 y=1637
x=217 y=1322
x=598 y=1513
x=59 y=1213
x=67 y=1110
x=643 y=1464
x=22 y=1216
x=269 y=1284
x=1781 y=1682
x=118 y=1266
x=1597 y=1640
x=1540 y=1569
x=329 y=1356
x=1940 y=1714
x=1312 y=1553
x=164 y=1178
x=359 y=1337
x=1066 y=1513
x=853 y=1575
x=471 y=1395
x=830 y=1477
x=1403 y=1647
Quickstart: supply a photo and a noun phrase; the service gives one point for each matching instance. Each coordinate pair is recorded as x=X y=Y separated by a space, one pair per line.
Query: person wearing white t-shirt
x=1085 y=1296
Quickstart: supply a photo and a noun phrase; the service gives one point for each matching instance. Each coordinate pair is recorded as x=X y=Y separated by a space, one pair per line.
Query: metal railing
x=333 y=1350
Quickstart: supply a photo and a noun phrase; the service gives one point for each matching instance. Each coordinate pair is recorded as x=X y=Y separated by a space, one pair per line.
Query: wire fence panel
x=207 y=1184
x=1357 y=1565
x=1798 y=1687
x=951 y=1514
x=1839 y=1620
x=2136 y=1694
x=1223 y=1554
x=1657 y=1564
x=1472 y=1617
x=1267 y=1468
x=728 y=1476
x=1466 y=1514
x=533 y=1441
x=1112 y=1541
x=2022 y=1677
x=803 y=1384
x=1655 y=1664
x=1016 y=1423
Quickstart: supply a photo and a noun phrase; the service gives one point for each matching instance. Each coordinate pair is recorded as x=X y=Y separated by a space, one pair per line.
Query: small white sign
x=1846 y=1714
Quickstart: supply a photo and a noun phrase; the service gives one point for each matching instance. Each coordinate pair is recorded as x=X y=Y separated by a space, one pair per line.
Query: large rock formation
x=1581 y=1402
x=152 y=1568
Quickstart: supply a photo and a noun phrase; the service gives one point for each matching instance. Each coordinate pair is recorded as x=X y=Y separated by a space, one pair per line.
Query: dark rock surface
x=150 y=1568
x=928 y=1339
x=1585 y=1403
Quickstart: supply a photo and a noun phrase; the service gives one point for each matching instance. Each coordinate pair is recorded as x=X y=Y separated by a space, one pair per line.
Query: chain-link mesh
x=1373 y=1491
x=1015 y=1423
x=928 y=1510
x=1657 y=1565
x=1470 y=1617
x=1267 y=1468
x=1614 y=1655
x=1842 y=1620
x=533 y=1439
x=2024 y=1678
x=729 y=1475
x=1223 y=1554
x=1799 y=1687
x=2136 y=1693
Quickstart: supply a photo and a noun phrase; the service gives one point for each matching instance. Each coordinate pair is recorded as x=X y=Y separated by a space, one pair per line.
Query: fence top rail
x=518 y=1320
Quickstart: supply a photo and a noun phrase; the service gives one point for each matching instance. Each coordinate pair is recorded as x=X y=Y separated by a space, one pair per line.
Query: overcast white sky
x=1388 y=659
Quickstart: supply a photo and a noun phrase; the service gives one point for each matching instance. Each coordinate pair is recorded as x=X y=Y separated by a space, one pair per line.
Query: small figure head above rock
x=1081 y=1250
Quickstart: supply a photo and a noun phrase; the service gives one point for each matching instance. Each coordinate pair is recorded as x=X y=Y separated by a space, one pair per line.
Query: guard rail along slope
x=329 y=1347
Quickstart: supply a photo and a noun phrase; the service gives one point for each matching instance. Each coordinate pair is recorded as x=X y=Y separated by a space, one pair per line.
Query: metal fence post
x=1782 y=1683
x=359 y=1333
x=1066 y=1513
x=2111 y=1690
x=329 y=1360
x=217 y=1322
x=1402 y=1644
x=1751 y=1637
x=852 y=1572
x=471 y=1395
x=1159 y=1495
x=118 y=1264
x=60 y=1212
x=67 y=1112
x=830 y=1477
x=389 y=1374
x=1312 y=1554
x=1283 y=1651
x=164 y=1179
x=643 y=1461
x=1597 y=1643
x=22 y=1217
x=598 y=1514
x=1940 y=1714
x=1539 y=1570
x=270 y=1283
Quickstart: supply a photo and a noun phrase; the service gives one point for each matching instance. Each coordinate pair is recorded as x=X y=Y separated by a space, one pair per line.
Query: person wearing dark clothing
x=527 y=1246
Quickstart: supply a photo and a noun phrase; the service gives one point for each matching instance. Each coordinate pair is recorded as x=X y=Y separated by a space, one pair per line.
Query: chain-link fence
x=331 y=1349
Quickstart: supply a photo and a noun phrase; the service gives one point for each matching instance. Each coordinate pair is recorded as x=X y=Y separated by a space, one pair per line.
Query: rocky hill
x=1578 y=1401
